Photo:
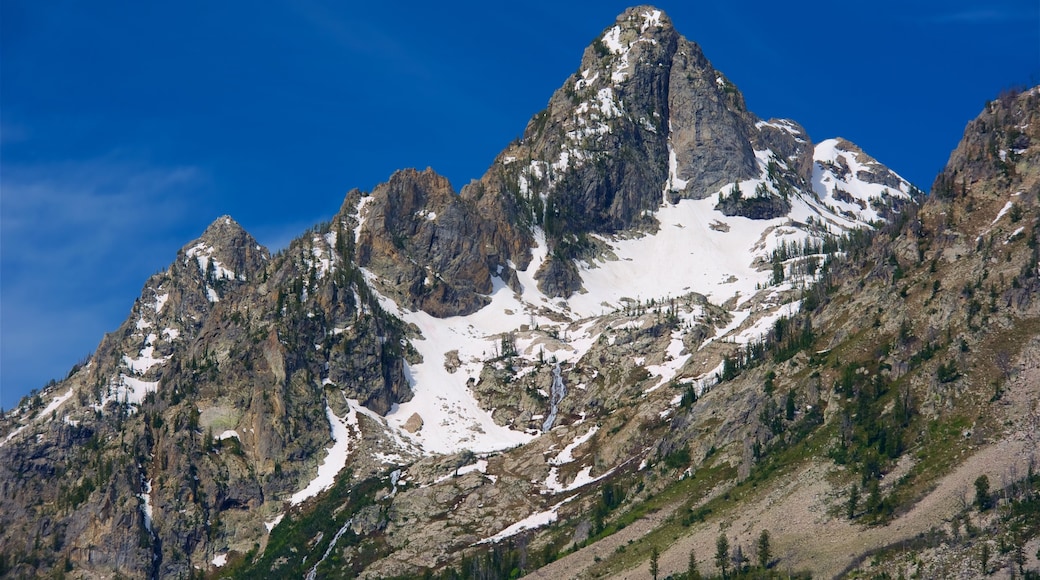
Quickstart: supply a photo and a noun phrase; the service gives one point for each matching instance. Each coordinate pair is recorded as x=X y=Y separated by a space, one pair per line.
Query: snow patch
x=271 y=524
x=146 y=504
x=531 y=522
x=336 y=459
x=1007 y=207
x=826 y=182
x=160 y=302
x=566 y=456
x=203 y=254
x=44 y=414
x=453 y=419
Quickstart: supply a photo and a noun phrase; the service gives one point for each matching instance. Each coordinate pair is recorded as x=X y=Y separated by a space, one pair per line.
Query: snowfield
x=696 y=249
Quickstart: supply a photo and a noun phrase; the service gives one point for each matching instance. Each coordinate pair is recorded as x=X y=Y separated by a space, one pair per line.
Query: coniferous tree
x=983 y=500
x=692 y=573
x=853 y=501
x=764 y=555
x=722 y=554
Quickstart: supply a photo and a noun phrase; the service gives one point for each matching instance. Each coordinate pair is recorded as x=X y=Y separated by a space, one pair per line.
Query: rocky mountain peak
x=429 y=247
x=986 y=196
x=594 y=309
x=635 y=29
x=226 y=251
x=994 y=144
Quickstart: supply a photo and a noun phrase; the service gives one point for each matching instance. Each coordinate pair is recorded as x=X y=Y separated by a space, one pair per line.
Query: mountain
x=656 y=318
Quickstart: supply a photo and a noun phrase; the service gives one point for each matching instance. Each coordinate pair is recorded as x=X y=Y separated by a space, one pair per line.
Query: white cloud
x=983 y=16
x=78 y=240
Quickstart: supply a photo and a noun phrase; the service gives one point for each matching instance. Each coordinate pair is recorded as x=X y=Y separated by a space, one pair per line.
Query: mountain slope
x=584 y=333
x=921 y=378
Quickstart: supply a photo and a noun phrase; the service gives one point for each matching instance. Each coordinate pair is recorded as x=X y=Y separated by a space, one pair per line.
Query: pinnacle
x=634 y=25
x=223 y=225
x=221 y=230
x=646 y=18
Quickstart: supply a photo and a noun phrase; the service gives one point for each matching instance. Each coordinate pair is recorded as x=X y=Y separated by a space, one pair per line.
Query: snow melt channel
x=558 y=392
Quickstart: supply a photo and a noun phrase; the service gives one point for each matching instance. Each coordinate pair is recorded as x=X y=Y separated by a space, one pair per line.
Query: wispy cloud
x=988 y=15
x=77 y=241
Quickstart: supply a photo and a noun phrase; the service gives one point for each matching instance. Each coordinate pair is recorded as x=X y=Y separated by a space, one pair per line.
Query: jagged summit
x=646 y=122
x=224 y=231
x=226 y=251
x=641 y=24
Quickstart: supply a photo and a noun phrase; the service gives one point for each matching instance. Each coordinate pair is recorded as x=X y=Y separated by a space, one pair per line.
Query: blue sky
x=126 y=127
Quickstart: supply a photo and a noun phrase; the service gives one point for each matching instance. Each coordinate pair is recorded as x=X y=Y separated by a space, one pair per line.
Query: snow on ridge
x=825 y=181
x=480 y=467
x=44 y=414
x=322 y=259
x=785 y=125
x=126 y=389
x=362 y=213
x=650 y=18
x=612 y=40
x=1014 y=235
x=621 y=50
x=581 y=479
x=145 y=360
x=671 y=366
x=584 y=477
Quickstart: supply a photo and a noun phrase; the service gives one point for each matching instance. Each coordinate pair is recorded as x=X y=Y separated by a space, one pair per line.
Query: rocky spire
x=226 y=251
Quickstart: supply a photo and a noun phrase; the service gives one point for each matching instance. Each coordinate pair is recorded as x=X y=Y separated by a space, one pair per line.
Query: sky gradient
x=125 y=129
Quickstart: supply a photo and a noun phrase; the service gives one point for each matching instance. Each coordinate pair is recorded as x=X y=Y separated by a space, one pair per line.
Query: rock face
x=646 y=120
x=993 y=145
x=433 y=249
x=758 y=207
x=205 y=410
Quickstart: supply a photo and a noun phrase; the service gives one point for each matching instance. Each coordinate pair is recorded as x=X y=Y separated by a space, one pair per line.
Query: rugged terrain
x=656 y=320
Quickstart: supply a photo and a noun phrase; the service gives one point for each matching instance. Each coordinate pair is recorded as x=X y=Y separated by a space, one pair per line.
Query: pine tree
x=982 y=496
x=692 y=573
x=654 y=556
x=764 y=555
x=853 y=501
x=722 y=553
